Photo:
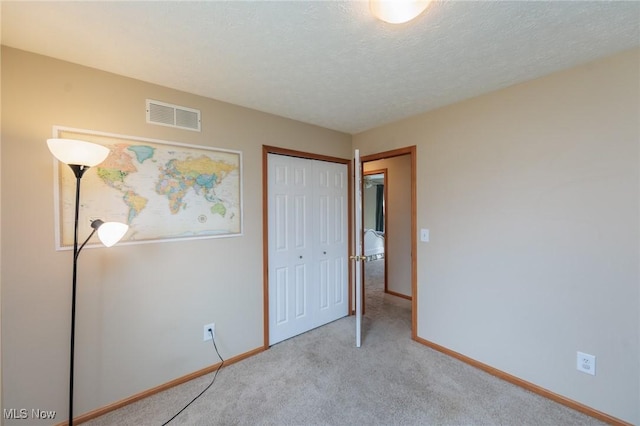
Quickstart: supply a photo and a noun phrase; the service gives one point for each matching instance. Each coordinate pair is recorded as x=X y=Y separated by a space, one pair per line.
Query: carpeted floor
x=321 y=378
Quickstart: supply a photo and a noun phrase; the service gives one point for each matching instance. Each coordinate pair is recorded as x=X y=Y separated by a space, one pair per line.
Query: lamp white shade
x=112 y=232
x=76 y=152
x=397 y=11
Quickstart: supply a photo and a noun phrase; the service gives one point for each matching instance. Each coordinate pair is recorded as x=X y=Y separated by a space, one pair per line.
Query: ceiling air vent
x=173 y=115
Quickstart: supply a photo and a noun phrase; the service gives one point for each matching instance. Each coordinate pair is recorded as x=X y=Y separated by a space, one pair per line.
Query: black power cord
x=213 y=340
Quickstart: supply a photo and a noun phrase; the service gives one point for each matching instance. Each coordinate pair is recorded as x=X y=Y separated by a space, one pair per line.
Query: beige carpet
x=320 y=378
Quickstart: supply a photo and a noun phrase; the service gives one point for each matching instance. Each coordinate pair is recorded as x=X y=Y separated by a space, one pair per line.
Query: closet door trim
x=265 y=221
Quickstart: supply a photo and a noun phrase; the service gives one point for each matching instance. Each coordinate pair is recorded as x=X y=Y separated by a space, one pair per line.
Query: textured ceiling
x=328 y=63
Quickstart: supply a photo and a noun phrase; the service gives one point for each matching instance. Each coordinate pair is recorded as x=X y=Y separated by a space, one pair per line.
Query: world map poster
x=162 y=190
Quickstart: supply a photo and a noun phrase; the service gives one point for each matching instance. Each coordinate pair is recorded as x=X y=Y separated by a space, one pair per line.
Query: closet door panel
x=290 y=248
x=307 y=244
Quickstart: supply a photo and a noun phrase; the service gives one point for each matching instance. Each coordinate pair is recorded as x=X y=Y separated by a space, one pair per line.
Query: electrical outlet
x=586 y=363
x=207 y=335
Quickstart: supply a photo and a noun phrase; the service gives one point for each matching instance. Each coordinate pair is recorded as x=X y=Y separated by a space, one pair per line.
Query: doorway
x=374 y=223
x=399 y=226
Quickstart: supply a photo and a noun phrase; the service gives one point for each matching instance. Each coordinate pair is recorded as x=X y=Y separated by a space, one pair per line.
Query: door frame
x=411 y=151
x=266 y=150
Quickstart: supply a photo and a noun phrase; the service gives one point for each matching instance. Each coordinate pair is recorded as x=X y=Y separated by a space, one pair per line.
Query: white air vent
x=173 y=115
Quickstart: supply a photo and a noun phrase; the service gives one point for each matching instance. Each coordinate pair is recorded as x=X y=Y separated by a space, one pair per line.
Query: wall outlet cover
x=586 y=363
x=206 y=335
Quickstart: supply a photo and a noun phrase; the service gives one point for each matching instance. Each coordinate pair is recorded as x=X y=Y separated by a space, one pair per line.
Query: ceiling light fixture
x=397 y=11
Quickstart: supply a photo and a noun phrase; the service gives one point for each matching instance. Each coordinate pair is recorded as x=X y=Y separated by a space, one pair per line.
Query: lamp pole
x=78 y=171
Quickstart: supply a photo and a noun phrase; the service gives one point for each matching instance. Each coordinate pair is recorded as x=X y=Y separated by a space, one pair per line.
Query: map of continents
x=162 y=191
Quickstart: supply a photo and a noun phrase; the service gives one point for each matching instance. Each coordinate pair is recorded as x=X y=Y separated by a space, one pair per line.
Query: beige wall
x=398 y=211
x=369 y=207
x=531 y=195
x=141 y=308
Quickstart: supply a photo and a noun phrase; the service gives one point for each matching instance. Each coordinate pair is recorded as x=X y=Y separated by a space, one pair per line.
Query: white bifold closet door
x=308 y=250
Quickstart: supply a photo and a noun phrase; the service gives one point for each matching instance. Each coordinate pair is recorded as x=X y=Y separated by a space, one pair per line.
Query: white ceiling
x=328 y=63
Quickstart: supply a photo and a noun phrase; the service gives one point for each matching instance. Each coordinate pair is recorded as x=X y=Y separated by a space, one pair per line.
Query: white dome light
x=397 y=11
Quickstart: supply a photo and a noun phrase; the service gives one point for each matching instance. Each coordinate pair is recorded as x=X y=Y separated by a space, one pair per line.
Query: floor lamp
x=79 y=156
